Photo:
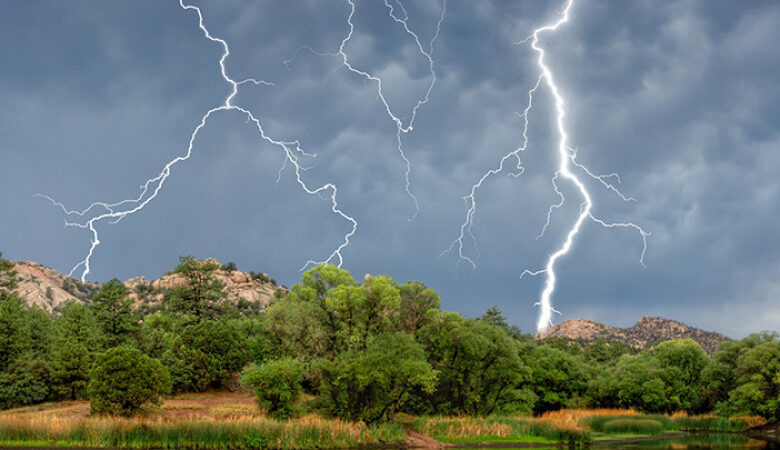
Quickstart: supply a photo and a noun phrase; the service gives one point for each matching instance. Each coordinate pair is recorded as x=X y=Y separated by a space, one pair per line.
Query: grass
x=306 y=432
x=650 y=424
x=220 y=420
x=495 y=429
x=223 y=421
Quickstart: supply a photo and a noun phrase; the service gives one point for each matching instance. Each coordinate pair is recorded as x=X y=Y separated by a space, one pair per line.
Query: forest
x=362 y=352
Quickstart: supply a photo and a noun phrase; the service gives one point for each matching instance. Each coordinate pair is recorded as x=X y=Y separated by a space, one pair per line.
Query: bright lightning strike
x=568 y=159
x=115 y=212
x=401 y=128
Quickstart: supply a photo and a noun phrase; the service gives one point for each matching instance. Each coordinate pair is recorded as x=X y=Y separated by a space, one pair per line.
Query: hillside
x=644 y=334
x=48 y=289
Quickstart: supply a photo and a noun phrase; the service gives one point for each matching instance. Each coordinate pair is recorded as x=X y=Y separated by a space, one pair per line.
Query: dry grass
x=497 y=429
x=752 y=421
x=203 y=421
x=572 y=419
x=234 y=411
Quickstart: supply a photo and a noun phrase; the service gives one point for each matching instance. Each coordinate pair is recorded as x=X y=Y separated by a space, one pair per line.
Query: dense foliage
x=359 y=351
x=123 y=380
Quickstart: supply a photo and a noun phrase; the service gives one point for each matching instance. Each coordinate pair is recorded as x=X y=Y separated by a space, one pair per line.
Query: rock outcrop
x=48 y=289
x=646 y=333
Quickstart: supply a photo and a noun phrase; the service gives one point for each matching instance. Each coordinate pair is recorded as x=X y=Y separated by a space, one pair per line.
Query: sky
x=680 y=97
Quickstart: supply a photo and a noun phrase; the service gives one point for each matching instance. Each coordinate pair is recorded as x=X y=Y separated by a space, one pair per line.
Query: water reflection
x=697 y=440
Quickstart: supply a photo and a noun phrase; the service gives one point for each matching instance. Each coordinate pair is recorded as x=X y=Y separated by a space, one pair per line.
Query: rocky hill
x=645 y=333
x=49 y=290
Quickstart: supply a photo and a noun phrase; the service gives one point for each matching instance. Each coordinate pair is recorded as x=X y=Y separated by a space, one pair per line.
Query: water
x=687 y=441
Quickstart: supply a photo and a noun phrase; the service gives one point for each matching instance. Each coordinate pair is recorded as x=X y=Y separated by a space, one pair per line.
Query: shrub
x=633 y=426
x=123 y=380
x=277 y=385
x=599 y=423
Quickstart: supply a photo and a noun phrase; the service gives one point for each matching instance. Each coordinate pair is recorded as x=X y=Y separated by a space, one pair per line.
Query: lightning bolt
x=114 y=212
x=401 y=128
x=567 y=160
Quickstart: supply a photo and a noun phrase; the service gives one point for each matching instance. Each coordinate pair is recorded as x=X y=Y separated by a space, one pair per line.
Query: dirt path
x=417 y=440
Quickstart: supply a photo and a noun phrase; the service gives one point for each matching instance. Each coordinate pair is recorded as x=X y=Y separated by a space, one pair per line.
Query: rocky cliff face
x=49 y=290
x=646 y=333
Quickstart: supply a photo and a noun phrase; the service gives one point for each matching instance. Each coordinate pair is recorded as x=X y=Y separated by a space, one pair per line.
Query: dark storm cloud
x=680 y=97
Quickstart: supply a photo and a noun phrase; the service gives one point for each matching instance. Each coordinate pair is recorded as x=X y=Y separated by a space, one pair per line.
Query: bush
x=277 y=385
x=123 y=380
x=599 y=423
x=633 y=426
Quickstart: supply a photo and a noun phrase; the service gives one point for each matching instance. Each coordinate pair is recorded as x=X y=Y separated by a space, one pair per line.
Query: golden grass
x=234 y=411
x=752 y=421
x=181 y=405
x=195 y=420
x=571 y=419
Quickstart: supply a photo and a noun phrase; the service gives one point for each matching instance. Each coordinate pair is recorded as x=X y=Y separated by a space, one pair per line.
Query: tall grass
x=496 y=428
x=632 y=424
x=712 y=423
x=245 y=432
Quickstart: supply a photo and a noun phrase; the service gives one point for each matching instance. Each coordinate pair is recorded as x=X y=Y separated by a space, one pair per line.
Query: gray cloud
x=680 y=97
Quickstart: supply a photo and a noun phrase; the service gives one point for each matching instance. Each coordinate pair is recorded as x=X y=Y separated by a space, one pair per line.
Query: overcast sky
x=678 y=96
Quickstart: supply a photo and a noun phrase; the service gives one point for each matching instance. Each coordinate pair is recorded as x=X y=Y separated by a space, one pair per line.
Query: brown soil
x=417 y=440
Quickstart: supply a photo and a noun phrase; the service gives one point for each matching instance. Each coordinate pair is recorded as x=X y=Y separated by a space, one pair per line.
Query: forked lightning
x=114 y=212
x=567 y=158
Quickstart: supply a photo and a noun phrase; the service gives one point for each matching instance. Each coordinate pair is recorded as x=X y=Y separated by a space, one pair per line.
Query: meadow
x=233 y=420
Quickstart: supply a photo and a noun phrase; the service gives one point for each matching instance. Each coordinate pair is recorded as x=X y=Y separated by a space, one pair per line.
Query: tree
x=418 y=305
x=124 y=379
x=14 y=335
x=681 y=363
x=277 y=385
x=206 y=355
x=77 y=338
x=371 y=385
x=756 y=372
x=665 y=379
x=201 y=296
x=114 y=313
x=26 y=382
x=480 y=371
x=7 y=277
x=495 y=317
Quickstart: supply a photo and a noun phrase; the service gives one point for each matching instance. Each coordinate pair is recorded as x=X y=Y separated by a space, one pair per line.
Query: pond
x=696 y=440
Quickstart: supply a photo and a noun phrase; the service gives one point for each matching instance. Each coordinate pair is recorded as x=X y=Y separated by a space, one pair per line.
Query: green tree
x=665 y=379
x=557 y=378
x=206 y=355
x=277 y=385
x=14 y=335
x=756 y=373
x=681 y=363
x=371 y=385
x=7 y=277
x=418 y=305
x=201 y=296
x=77 y=338
x=114 y=313
x=26 y=382
x=480 y=371
x=123 y=380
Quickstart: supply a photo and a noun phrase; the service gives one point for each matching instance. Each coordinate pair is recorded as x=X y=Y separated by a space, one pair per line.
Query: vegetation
x=123 y=380
x=277 y=385
x=230 y=425
x=364 y=352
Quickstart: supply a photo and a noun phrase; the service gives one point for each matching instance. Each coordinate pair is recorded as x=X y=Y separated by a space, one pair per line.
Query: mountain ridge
x=49 y=290
x=645 y=333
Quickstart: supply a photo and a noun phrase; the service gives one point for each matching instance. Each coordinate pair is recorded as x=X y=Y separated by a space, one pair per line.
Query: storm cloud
x=680 y=97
